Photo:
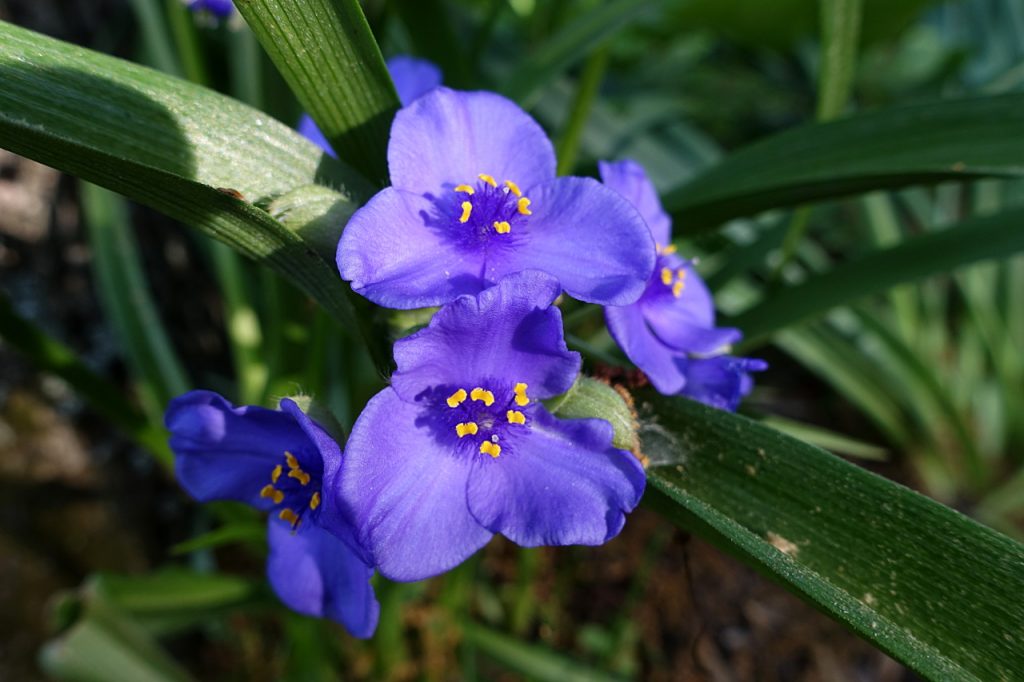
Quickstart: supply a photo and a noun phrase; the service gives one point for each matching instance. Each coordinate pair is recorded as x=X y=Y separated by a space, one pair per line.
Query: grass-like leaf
x=927 y=585
x=923 y=143
x=326 y=52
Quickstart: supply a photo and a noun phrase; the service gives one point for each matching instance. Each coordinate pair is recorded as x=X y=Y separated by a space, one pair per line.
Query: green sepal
x=591 y=398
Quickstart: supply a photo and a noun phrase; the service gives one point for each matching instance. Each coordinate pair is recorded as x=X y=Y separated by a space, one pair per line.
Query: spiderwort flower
x=413 y=77
x=459 y=447
x=222 y=9
x=474 y=197
x=285 y=463
x=674 y=319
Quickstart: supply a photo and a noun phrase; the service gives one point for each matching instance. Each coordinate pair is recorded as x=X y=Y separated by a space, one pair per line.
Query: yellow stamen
x=314 y=501
x=465 y=189
x=269 y=491
x=666 y=276
x=467 y=209
x=275 y=474
x=515 y=417
x=521 y=398
x=681 y=273
x=671 y=248
x=455 y=399
x=514 y=188
x=466 y=429
x=292 y=462
x=299 y=475
x=523 y=206
x=489 y=448
x=289 y=516
x=502 y=227
x=489 y=179
x=484 y=396
x=677 y=288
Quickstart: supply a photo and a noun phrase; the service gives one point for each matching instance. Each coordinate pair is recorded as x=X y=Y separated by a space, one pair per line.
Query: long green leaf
x=929 y=586
x=197 y=156
x=933 y=253
x=924 y=143
x=840 y=33
x=325 y=50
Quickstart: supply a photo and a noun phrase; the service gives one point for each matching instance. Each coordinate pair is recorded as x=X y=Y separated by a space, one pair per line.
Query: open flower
x=413 y=77
x=285 y=463
x=474 y=197
x=670 y=332
x=460 y=448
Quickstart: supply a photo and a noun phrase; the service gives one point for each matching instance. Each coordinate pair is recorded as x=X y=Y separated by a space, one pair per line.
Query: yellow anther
x=467 y=209
x=289 y=516
x=466 y=429
x=515 y=417
x=455 y=399
x=681 y=273
x=465 y=189
x=314 y=501
x=514 y=188
x=484 y=396
x=521 y=398
x=292 y=462
x=677 y=288
x=671 y=248
x=489 y=448
x=666 y=276
x=270 y=491
x=523 y=206
x=299 y=475
x=489 y=179
x=275 y=474
x=502 y=227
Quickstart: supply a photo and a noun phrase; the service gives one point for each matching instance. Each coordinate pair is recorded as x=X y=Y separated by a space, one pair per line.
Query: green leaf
x=923 y=143
x=571 y=44
x=840 y=32
x=534 y=661
x=197 y=156
x=932 y=253
x=126 y=298
x=327 y=54
x=927 y=585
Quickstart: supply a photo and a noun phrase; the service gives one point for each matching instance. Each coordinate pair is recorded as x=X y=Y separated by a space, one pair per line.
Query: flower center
x=483 y=420
x=489 y=208
x=670 y=270
x=294 y=491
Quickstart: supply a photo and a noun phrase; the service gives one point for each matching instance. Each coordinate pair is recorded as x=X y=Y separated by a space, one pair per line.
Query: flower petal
x=311 y=131
x=413 y=77
x=223 y=452
x=629 y=179
x=315 y=573
x=407 y=493
x=563 y=484
x=687 y=322
x=510 y=331
x=664 y=366
x=393 y=258
x=446 y=137
x=721 y=381
x=589 y=238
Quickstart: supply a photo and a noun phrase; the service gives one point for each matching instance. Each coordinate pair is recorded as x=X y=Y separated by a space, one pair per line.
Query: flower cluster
x=460 y=446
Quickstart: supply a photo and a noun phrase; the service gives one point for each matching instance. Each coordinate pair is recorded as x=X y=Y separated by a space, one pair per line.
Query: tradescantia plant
x=487 y=426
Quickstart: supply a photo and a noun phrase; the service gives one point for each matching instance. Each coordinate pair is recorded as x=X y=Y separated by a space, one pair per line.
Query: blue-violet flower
x=459 y=447
x=285 y=463
x=670 y=332
x=218 y=8
x=474 y=197
x=412 y=76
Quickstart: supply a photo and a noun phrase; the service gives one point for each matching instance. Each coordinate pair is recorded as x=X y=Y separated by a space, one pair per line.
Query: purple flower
x=218 y=8
x=285 y=463
x=412 y=77
x=474 y=197
x=674 y=319
x=459 y=447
